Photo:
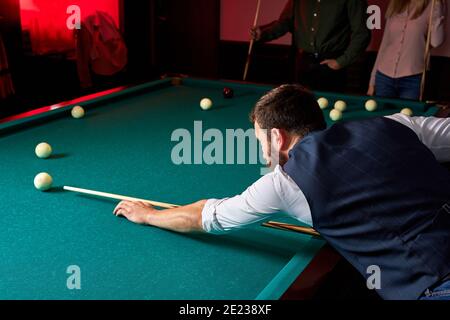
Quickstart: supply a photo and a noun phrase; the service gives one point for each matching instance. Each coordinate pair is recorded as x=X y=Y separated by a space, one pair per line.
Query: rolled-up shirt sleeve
x=268 y=197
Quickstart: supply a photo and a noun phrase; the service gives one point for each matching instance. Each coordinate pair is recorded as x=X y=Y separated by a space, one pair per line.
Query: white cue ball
x=335 y=115
x=43 y=181
x=371 y=105
x=206 y=104
x=78 y=112
x=407 y=112
x=340 y=105
x=323 y=103
x=43 y=150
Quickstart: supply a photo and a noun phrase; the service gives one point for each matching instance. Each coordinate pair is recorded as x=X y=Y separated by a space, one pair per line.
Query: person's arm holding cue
x=273 y=193
x=277 y=28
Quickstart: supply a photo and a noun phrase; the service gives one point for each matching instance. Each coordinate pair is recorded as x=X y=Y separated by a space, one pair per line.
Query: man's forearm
x=280 y=27
x=182 y=219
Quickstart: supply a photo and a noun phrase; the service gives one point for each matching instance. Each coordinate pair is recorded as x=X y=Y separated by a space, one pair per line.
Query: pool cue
x=271 y=224
x=120 y=197
x=427 y=52
x=250 y=48
x=290 y=227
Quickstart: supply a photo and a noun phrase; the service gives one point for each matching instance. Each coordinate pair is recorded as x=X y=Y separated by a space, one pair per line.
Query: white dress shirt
x=277 y=193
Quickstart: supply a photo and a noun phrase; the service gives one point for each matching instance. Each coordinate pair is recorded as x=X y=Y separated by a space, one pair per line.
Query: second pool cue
x=250 y=48
x=427 y=53
x=292 y=228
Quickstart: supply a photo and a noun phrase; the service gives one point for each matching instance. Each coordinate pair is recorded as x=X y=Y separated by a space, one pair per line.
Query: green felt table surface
x=123 y=146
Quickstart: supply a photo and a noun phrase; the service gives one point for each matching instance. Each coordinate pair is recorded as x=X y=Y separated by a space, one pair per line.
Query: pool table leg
x=310 y=280
x=330 y=277
x=444 y=110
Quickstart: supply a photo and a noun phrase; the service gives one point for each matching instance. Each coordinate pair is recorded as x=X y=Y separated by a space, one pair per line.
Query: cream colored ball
x=206 y=104
x=78 y=112
x=43 y=150
x=335 y=115
x=407 y=112
x=371 y=105
x=323 y=103
x=340 y=105
x=43 y=181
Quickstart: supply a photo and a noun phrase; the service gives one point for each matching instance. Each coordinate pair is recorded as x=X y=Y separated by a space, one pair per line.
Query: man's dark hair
x=289 y=107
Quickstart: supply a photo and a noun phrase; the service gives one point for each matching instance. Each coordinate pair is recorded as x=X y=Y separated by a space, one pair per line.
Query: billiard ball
x=340 y=105
x=206 y=104
x=78 y=112
x=43 y=181
x=228 y=93
x=407 y=112
x=323 y=103
x=335 y=115
x=371 y=105
x=43 y=150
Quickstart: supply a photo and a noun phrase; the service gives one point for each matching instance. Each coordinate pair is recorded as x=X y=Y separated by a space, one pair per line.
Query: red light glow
x=45 y=21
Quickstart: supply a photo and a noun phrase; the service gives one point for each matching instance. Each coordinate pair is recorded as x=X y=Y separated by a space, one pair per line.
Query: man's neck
x=284 y=156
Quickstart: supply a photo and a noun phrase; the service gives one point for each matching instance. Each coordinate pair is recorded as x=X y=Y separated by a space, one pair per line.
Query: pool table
x=123 y=145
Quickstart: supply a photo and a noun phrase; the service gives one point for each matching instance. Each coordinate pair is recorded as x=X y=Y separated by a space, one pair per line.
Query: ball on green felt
x=78 y=112
x=43 y=181
x=206 y=104
x=371 y=105
x=340 y=105
x=323 y=103
x=43 y=150
x=335 y=115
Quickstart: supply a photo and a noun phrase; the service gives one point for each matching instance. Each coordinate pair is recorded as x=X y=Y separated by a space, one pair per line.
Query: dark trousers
x=311 y=74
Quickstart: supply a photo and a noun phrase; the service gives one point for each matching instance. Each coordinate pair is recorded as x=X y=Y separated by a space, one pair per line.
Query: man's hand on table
x=137 y=212
x=183 y=219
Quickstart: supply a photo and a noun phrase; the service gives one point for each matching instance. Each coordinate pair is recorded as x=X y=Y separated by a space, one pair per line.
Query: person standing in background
x=102 y=54
x=400 y=62
x=329 y=35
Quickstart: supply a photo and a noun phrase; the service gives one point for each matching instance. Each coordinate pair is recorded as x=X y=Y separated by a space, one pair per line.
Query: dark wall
x=438 y=87
x=270 y=63
x=138 y=24
x=188 y=33
x=10 y=30
x=172 y=36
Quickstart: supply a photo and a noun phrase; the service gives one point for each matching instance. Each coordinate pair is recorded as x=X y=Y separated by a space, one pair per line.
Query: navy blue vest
x=379 y=197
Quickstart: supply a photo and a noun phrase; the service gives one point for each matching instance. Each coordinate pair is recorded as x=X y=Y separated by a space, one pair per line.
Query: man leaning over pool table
x=373 y=188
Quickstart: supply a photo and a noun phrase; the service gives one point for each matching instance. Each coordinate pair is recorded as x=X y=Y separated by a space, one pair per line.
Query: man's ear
x=280 y=139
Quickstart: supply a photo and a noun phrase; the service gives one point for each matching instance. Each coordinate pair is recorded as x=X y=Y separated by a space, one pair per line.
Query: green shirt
x=325 y=27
